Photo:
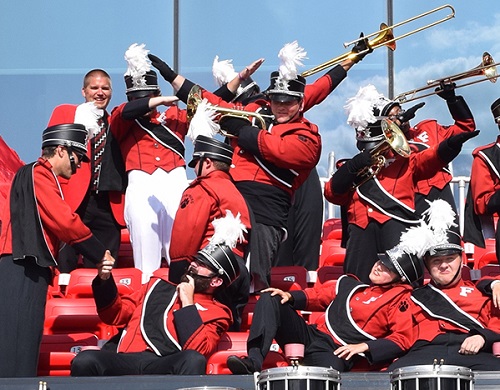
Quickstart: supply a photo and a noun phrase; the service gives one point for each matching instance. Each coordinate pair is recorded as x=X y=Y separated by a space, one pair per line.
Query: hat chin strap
x=71 y=159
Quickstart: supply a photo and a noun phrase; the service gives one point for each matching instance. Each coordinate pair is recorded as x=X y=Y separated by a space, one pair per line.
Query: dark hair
x=221 y=165
x=49 y=151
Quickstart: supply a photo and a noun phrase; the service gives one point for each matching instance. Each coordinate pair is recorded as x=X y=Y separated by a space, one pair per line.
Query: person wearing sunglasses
x=37 y=221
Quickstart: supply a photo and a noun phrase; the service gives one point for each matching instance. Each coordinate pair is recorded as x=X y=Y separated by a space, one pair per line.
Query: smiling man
x=95 y=191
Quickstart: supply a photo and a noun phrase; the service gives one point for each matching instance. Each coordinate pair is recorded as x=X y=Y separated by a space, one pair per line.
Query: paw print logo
x=185 y=201
x=403 y=306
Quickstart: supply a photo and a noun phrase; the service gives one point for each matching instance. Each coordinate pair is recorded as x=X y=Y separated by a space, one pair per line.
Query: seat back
x=127 y=281
x=287 y=278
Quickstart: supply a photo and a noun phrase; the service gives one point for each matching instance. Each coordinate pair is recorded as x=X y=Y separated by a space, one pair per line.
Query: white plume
x=228 y=230
x=359 y=109
x=291 y=56
x=88 y=114
x=138 y=63
x=223 y=71
x=417 y=239
x=440 y=215
x=202 y=122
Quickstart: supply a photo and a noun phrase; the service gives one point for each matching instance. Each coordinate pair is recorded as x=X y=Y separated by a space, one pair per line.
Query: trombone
x=383 y=37
x=486 y=68
x=194 y=99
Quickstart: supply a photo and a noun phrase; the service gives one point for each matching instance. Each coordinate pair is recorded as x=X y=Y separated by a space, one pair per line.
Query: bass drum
x=432 y=377
x=298 y=378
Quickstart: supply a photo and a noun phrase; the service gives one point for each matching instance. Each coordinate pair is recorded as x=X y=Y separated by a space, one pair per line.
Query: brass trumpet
x=486 y=68
x=383 y=37
x=194 y=99
x=395 y=140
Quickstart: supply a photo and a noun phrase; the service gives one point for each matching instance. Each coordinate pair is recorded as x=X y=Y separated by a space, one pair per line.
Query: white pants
x=151 y=202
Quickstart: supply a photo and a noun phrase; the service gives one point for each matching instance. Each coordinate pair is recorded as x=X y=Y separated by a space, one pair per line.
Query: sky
x=47 y=47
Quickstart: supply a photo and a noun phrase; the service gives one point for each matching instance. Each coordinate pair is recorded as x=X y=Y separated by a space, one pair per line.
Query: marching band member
x=454 y=320
x=37 y=221
x=380 y=207
x=429 y=132
x=370 y=321
x=270 y=164
x=483 y=198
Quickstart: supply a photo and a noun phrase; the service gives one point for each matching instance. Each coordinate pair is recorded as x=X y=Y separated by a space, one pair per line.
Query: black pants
x=364 y=245
x=446 y=347
x=272 y=320
x=108 y=363
x=304 y=226
x=23 y=295
x=264 y=246
x=96 y=213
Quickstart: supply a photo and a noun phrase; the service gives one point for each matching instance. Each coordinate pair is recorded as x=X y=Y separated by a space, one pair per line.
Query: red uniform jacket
x=143 y=152
x=398 y=178
x=76 y=187
x=206 y=199
x=197 y=327
x=484 y=178
x=59 y=222
x=294 y=147
x=381 y=312
x=428 y=133
x=468 y=299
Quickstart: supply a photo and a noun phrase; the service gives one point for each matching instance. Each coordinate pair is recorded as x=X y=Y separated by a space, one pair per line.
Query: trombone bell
x=487 y=68
x=384 y=37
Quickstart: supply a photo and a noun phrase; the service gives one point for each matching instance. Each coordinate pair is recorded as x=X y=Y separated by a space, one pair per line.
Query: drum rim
x=300 y=372
x=430 y=371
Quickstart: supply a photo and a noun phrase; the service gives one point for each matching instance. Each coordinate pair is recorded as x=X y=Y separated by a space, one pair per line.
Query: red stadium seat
x=491 y=270
x=56 y=352
x=331 y=253
x=75 y=315
x=486 y=258
x=329 y=272
x=125 y=254
x=287 y=278
x=127 y=281
x=332 y=229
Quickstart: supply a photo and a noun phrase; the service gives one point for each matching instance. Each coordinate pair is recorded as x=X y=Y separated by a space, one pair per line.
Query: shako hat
x=218 y=254
x=495 y=110
x=286 y=84
x=73 y=135
x=140 y=80
x=212 y=148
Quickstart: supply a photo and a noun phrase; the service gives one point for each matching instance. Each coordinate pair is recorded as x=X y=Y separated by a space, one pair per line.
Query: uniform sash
x=438 y=305
x=338 y=315
x=372 y=192
x=28 y=240
x=156 y=309
x=163 y=135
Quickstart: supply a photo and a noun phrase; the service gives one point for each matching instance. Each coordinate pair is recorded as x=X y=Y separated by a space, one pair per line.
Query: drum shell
x=298 y=378
x=432 y=377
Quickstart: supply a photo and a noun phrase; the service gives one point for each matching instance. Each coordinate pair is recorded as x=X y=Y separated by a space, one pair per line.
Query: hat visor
x=282 y=97
x=445 y=252
x=193 y=162
x=385 y=260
